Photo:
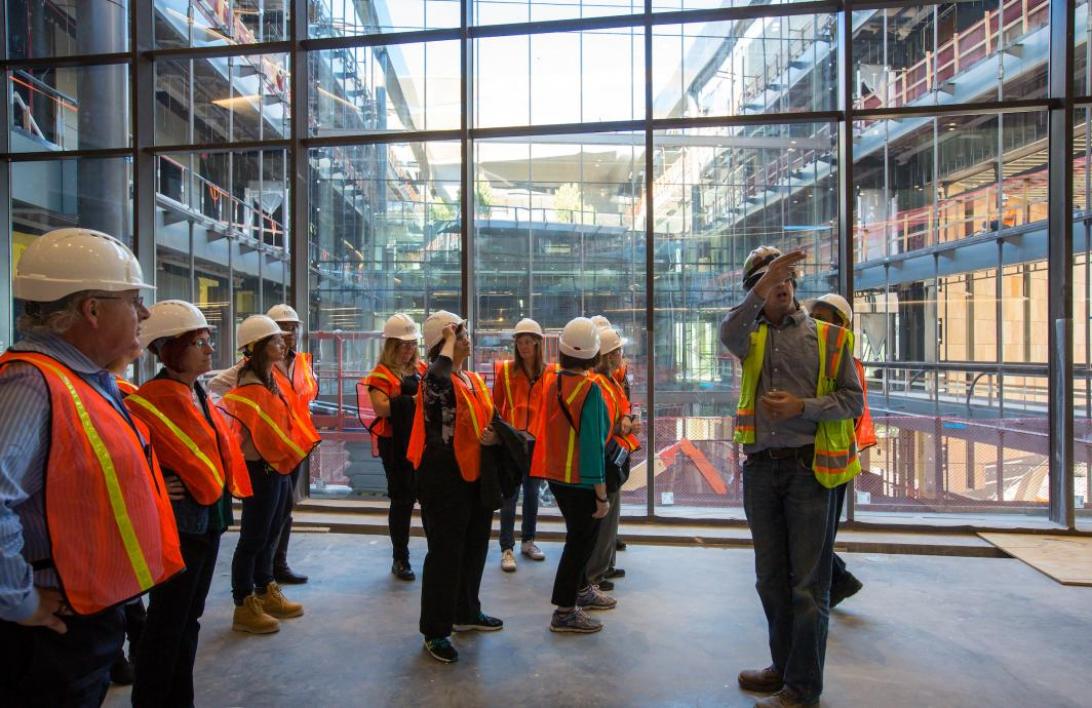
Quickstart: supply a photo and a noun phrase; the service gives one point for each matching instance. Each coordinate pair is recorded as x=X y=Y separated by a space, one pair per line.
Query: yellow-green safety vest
x=836 y=460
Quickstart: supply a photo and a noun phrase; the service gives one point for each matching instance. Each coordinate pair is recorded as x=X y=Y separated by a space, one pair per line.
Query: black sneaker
x=402 y=570
x=606 y=585
x=847 y=587
x=615 y=573
x=441 y=649
x=286 y=576
x=483 y=623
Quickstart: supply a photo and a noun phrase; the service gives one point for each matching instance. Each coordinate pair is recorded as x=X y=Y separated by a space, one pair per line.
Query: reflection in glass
x=38 y=29
x=201 y=23
x=69 y=108
x=89 y=192
x=222 y=99
x=385 y=88
x=779 y=64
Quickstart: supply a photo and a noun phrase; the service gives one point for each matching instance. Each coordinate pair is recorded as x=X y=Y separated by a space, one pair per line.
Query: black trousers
x=39 y=667
x=263 y=514
x=838 y=572
x=401 y=488
x=280 y=556
x=577 y=506
x=457 y=526
x=168 y=648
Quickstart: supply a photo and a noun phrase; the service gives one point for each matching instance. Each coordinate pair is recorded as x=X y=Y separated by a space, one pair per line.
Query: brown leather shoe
x=765 y=680
x=785 y=698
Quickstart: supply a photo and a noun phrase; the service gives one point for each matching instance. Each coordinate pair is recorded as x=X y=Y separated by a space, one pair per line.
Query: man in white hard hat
x=106 y=533
x=296 y=374
x=835 y=309
x=799 y=394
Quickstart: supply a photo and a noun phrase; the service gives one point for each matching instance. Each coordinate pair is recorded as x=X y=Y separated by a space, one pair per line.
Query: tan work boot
x=276 y=604
x=250 y=617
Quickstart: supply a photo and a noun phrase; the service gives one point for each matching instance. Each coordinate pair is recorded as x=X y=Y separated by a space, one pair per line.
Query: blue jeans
x=263 y=516
x=792 y=524
x=530 y=514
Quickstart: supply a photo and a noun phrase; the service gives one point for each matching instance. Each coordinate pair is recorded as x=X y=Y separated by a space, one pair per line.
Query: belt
x=806 y=452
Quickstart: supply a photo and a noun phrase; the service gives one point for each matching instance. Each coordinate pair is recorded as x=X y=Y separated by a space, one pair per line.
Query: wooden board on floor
x=1067 y=559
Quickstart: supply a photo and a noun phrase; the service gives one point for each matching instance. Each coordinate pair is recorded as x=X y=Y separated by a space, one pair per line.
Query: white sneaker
x=529 y=549
x=508 y=561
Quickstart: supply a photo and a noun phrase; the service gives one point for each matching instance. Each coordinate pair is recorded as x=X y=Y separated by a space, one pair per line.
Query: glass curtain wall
x=358 y=159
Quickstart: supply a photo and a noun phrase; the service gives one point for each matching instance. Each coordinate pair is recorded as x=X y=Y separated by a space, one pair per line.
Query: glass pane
x=721 y=192
x=675 y=5
x=38 y=29
x=492 y=12
x=222 y=99
x=347 y=18
x=1082 y=316
x=1082 y=50
x=87 y=192
x=560 y=232
x=566 y=77
x=385 y=89
x=228 y=212
x=772 y=65
x=951 y=317
x=385 y=238
x=950 y=53
x=70 y=108
x=201 y=23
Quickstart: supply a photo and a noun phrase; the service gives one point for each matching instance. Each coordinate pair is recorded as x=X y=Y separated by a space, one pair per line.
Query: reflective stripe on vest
x=112 y=534
x=386 y=382
x=297 y=401
x=126 y=387
x=290 y=443
x=199 y=449
x=473 y=410
x=836 y=460
x=557 y=455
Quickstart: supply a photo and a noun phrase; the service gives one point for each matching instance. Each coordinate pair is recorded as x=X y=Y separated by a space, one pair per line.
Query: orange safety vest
x=112 y=532
x=863 y=429
x=300 y=390
x=473 y=412
x=615 y=392
x=125 y=386
x=282 y=439
x=382 y=379
x=207 y=458
x=557 y=446
x=619 y=374
x=516 y=398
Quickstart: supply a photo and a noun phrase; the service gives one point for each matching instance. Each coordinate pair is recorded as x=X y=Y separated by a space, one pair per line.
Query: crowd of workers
x=111 y=491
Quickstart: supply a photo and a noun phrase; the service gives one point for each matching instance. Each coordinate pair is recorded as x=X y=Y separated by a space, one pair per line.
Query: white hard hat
x=527 y=326
x=170 y=318
x=283 y=313
x=609 y=340
x=840 y=304
x=580 y=339
x=254 y=329
x=600 y=321
x=66 y=261
x=757 y=263
x=434 y=326
x=401 y=326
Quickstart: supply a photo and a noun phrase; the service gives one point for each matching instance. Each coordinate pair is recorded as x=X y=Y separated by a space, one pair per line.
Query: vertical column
x=1060 y=262
x=467 y=303
x=298 y=184
x=103 y=184
x=650 y=282
x=6 y=264
x=142 y=108
x=845 y=174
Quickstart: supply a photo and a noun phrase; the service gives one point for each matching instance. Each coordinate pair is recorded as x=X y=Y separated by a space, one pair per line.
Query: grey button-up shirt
x=791 y=364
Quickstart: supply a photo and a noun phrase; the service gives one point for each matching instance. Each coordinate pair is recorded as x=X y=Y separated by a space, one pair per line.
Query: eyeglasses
x=137 y=302
x=202 y=343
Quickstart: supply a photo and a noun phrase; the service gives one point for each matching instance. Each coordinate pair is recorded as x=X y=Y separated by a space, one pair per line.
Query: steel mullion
x=75 y=60
x=650 y=284
x=974 y=108
x=221 y=51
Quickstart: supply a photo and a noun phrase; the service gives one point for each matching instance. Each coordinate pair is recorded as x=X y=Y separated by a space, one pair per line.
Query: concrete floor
x=925 y=631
